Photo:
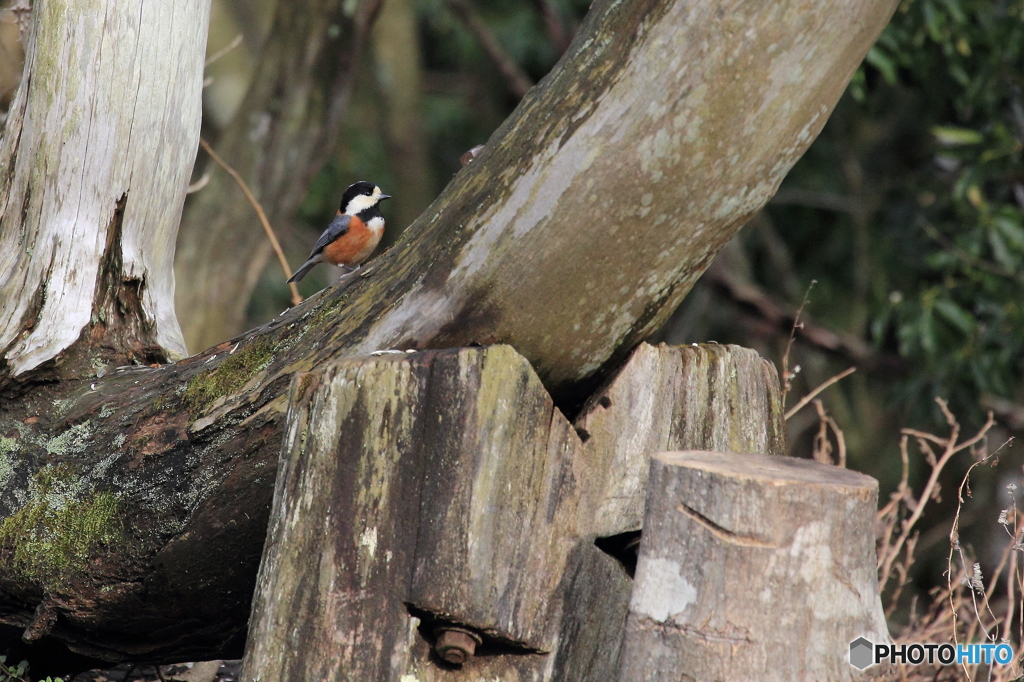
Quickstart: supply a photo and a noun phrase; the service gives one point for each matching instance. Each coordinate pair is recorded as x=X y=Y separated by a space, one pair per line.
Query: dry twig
x=952 y=615
x=972 y=577
x=787 y=375
x=560 y=38
x=822 y=443
x=950 y=446
x=224 y=50
x=296 y=298
x=517 y=80
x=810 y=396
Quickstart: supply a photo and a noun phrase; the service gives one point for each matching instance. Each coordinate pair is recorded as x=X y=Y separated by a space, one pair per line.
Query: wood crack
x=724 y=534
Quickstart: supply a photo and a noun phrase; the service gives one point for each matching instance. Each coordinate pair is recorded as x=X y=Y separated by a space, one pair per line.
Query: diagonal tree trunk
x=573 y=235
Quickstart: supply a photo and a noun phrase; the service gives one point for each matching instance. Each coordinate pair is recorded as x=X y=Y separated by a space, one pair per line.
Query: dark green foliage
x=13 y=673
x=927 y=257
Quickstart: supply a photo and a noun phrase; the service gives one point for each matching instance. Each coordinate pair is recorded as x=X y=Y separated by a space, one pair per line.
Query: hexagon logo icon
x=860 y=653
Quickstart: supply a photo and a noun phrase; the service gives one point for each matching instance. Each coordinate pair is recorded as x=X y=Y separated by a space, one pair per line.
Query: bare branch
x=517 y=81
x=762 y=305
x=554 y=25
x=224 y=50
x=296 y=298
x=810 y=396
x=950 y=448
x=787 y=376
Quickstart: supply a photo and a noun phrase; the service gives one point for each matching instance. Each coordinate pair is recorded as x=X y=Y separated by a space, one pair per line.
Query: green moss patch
x=330 y=307
x=58 y=532
x=231 y=375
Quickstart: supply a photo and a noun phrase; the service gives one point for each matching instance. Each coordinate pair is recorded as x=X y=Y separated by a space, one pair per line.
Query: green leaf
x=955 y=315
x=856 y=88
x=959 y=74
x=1010 y=229
x=999 y=250
x=934 y=21
x=881 y=61
x=926 y=331
x=951 y=136
x=955 y=11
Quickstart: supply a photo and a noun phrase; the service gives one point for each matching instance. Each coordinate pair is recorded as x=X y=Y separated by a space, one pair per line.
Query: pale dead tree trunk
x=574 y=234
x=96 y=154
x=283 y=132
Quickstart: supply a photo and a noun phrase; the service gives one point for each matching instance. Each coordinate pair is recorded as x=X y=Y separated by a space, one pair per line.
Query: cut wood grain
x=752 y=568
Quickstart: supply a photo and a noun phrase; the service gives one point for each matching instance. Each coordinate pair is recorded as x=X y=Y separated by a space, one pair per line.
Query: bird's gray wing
x=338 y=227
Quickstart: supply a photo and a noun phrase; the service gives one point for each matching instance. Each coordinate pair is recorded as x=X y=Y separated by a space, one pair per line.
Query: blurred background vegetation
x=907 y=213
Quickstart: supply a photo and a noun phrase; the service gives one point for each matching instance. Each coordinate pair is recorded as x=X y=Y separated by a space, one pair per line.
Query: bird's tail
x=304 y=270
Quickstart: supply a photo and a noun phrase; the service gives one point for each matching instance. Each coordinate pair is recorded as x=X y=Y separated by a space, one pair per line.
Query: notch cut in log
x=752 y=568
x=446 y=485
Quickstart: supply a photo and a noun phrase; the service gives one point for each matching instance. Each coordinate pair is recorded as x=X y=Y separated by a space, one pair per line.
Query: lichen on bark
x=54 y=537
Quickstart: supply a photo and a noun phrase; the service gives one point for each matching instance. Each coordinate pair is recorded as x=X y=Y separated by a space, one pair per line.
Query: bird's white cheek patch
x=362 y=202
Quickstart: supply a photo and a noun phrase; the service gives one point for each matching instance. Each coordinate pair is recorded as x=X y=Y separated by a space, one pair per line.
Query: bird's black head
x=361 y=196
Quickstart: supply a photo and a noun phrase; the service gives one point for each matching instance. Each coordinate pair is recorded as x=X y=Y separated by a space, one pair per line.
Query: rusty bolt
x=455 y=645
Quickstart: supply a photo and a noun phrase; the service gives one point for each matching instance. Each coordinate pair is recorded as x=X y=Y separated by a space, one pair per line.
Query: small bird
x=353 y=234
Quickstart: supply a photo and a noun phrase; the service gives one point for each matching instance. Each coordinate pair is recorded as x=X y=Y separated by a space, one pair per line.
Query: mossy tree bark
x=571 y=237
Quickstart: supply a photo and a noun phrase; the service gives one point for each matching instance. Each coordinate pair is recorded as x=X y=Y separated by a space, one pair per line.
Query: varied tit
x=353 y=234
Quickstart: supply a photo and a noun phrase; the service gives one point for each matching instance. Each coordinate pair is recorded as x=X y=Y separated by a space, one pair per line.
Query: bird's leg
x=349 y=270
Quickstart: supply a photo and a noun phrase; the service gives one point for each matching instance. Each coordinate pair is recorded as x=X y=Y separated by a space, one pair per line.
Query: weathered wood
x=752 y=568
x=441 y=482
x=445 y=488
x=700 y=397
x=94 y=163
x=203 y=527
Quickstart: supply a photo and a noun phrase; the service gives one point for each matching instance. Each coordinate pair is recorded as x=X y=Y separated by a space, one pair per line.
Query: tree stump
x=436 y=507
x=752 y=568
x=699 y=397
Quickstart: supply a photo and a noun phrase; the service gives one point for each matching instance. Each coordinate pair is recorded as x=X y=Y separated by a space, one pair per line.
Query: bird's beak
x=382 y=197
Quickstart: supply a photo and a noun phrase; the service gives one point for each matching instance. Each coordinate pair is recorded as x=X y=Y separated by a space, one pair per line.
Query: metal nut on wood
x=455 y=645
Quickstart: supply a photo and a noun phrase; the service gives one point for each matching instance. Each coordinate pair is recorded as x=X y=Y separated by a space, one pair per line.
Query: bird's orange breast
x=354 y=246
